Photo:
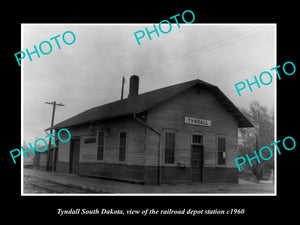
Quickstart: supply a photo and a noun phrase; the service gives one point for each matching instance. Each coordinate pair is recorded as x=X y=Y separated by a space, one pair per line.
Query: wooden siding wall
x=142 y=144
x=135 y=141
x=63 y=152
x=135 y=151
x=170 y=116
x=64 y=147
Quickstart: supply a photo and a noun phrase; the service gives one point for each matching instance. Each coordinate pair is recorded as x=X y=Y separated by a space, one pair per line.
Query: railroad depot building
x=178 y=134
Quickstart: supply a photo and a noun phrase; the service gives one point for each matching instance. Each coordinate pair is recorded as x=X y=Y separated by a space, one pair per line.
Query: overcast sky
x=89 y=72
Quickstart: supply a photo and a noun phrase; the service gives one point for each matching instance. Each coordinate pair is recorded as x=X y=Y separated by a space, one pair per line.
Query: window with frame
x=221 y=151
x=197 y=139
x=169 y=148
x=122 y=146
x=100 y=145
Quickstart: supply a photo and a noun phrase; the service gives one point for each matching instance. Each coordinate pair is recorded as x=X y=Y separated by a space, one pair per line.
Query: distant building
x=178 y=134
x=40 y=159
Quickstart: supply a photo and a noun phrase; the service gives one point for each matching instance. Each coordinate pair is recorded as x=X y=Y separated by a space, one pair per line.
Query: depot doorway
x=197 y=157
x=74 y=156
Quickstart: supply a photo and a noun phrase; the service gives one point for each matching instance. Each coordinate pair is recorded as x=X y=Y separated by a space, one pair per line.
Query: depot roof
x=142 y=102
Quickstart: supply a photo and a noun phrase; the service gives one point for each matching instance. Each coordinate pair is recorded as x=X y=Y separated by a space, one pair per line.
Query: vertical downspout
x=159 y=144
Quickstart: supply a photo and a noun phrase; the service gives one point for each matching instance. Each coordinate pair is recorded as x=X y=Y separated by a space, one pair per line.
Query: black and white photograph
x=167 y=109
x=149 y=111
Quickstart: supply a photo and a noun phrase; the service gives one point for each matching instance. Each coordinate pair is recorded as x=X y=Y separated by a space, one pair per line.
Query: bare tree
x=252 y=139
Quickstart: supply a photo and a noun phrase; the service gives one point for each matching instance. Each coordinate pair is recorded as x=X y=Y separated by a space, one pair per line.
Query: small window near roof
x=197 y=139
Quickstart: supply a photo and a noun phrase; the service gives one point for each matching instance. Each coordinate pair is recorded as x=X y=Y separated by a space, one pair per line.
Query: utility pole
x=51 y=129
x=123 y=81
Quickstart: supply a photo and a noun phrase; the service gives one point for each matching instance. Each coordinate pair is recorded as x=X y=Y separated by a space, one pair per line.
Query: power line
x=201 y=50
x=204 y=49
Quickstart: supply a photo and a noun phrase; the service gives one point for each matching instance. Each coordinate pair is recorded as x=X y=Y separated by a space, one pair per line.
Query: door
x=74 y=156
x=197 y=163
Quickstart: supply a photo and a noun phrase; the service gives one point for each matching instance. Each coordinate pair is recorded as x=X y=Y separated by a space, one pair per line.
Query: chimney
x=133 y=86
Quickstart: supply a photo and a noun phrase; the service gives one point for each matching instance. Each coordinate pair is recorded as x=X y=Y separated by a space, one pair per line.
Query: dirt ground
x=37 y=181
